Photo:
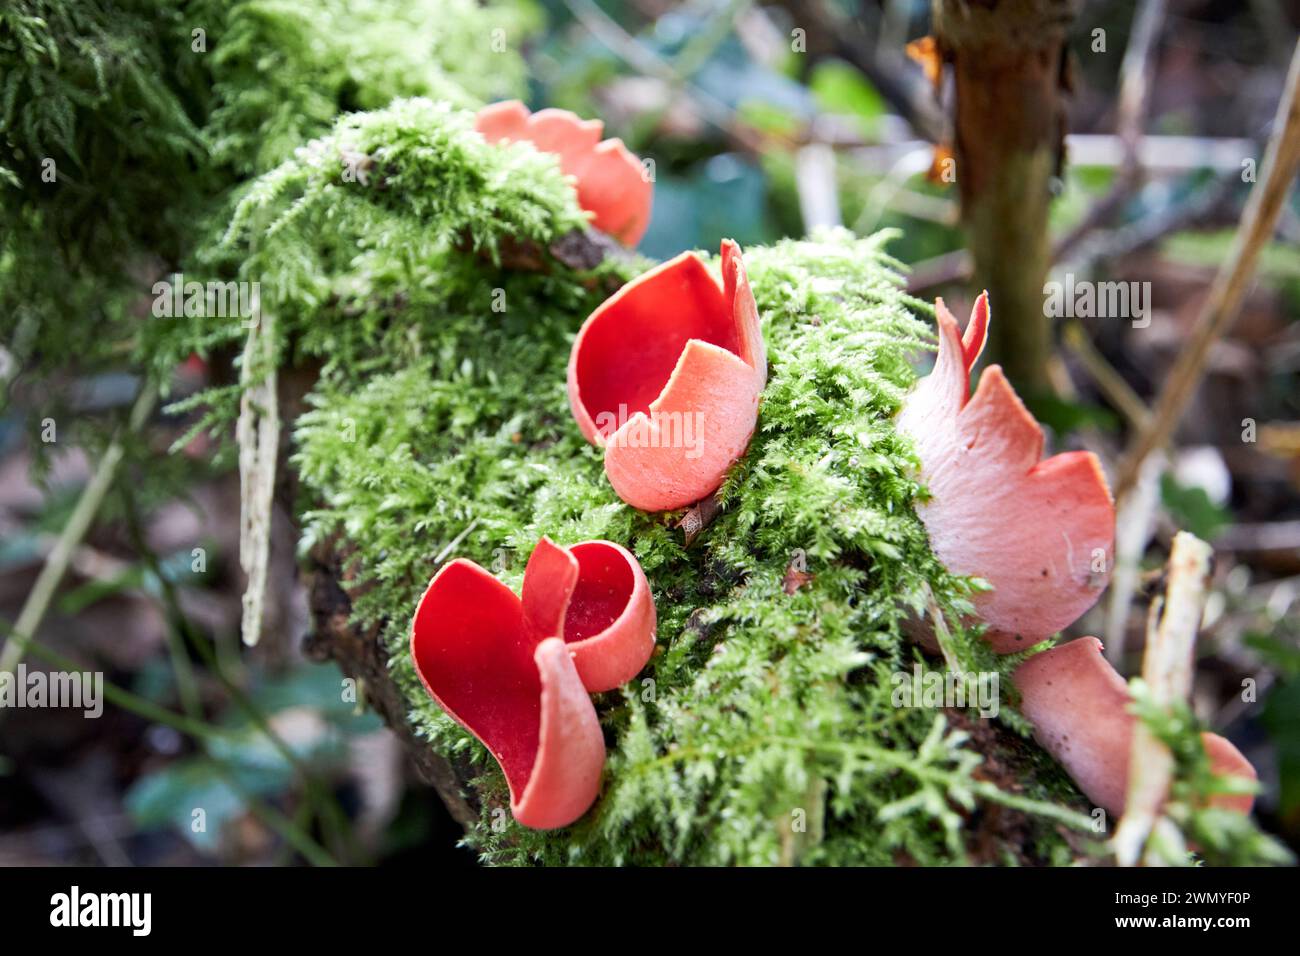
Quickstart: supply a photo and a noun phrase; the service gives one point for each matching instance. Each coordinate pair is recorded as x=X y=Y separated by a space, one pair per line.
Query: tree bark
x=1009 y=64
x=361 y=654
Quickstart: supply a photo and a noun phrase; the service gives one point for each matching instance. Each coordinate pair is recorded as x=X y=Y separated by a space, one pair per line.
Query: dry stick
x=1261 y=536
x=258 y=435
x=1135 y=519
x=56 y=564
x=454 y=543
x=608 y=31
x=1135 y=82
x=1281 y=161
x=1167 y=671
x=943 y=269
x=911 y=96
x=819 y=201
x=1122 y=241
x=1202 y=208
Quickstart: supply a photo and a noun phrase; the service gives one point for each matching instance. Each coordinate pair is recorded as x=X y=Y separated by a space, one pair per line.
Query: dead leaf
x=942 y=162
x=925 y=51
x=699 y=517
x=795 y=579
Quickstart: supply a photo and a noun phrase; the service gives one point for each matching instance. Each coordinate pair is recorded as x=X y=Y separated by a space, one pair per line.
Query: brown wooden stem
x=1008 y=59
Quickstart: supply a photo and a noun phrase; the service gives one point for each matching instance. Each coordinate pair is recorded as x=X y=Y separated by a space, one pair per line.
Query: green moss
x=283 y=69
x=129 y=127
x=368 y=235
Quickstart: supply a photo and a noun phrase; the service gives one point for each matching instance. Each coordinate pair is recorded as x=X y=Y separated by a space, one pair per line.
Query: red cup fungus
x=666 y=375
x=611 y=183
x=1040 y=532
x=517 y=673
x=1079 y=706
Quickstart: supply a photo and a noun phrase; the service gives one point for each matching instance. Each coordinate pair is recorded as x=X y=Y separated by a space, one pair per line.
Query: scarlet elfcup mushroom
x=666 y=376
x=1038 y=531
x=517 y=673
x=1079 y=707
x=611 y=183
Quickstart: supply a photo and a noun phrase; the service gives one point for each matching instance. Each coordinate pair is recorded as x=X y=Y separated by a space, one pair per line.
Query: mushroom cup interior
x=604 y=589
x=473 y=652
x=628 y=354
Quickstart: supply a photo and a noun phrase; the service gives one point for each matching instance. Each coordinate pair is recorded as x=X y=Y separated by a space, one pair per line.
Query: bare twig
x=1162 y=153
x=1264 y=536
x=819 y=201
x=955 y=266
x=1281 y=161
x=904 y=89
x=1115 y=243
x=608 y=31
x=1201 y=207
x=1167 y=671
x=454 y=543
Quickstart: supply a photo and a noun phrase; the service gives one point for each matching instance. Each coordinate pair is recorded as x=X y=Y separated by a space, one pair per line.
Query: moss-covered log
x=766 y=727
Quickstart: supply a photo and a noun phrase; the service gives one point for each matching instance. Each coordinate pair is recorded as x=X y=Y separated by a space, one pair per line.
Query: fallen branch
x=329 y=574
x=361 y=655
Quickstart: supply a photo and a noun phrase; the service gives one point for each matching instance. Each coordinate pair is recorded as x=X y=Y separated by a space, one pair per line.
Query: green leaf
x=841 y=89
x=1192 y=508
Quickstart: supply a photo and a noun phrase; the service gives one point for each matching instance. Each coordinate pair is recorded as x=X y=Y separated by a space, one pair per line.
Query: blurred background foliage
x=762 y=119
